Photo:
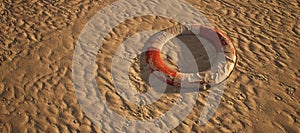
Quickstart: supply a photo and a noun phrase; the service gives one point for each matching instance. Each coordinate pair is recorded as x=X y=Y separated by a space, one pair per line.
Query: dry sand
x=38 y=38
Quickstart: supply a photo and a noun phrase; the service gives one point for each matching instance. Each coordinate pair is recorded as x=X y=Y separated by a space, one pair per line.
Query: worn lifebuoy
x=221 y=68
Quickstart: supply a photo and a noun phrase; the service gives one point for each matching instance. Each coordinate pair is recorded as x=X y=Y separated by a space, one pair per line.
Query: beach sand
x=37 y=43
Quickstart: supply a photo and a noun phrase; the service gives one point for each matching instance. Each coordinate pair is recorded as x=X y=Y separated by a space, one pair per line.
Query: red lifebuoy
x=221 y=42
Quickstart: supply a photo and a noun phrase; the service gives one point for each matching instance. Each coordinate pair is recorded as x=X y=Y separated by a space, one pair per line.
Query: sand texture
x=38 y=37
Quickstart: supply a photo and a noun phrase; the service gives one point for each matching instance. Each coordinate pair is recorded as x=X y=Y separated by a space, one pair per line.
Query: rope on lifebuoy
x=220 y=70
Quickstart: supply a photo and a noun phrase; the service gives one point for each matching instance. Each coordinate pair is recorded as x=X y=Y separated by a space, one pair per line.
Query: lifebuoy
x=220 y=70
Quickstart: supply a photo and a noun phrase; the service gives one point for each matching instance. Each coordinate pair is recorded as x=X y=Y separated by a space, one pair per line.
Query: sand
x=37 y=43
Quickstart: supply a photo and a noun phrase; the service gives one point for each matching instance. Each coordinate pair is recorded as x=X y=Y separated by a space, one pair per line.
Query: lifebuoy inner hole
x=197 y=49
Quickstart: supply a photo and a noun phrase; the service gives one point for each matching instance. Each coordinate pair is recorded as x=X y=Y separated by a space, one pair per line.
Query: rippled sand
x=36 y=48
